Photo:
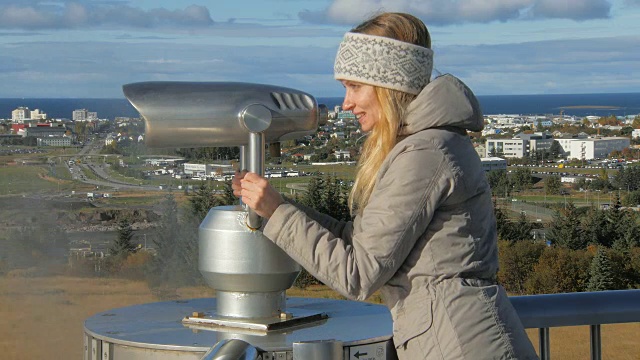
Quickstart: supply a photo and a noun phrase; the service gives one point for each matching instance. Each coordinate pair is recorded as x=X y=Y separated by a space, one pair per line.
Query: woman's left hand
x=259 y=195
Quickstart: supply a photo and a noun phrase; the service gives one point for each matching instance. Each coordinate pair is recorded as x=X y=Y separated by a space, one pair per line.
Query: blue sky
x=90 y=48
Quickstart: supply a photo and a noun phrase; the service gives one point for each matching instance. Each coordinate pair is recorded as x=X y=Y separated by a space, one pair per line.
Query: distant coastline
x=618 y=104
x=591 y=107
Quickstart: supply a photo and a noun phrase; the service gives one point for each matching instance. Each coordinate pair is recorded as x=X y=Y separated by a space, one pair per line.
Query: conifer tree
x=595 y=227
x=314 y=195
x=564 y=230
x=335 y=199
x=203 y=201
x=601 y=275
x=165 y=241
x=552 y=185
x=123 y=246
x=502 y=223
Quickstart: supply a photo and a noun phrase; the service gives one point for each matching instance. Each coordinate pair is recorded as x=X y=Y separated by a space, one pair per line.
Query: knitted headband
x=383 y=62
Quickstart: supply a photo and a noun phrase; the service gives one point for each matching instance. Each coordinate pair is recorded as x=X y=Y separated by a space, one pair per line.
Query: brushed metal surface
x=198 y=114
x=234 y=258
x=158 y=326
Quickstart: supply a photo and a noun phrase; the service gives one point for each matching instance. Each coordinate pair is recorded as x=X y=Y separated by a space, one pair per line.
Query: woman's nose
x=347 y=104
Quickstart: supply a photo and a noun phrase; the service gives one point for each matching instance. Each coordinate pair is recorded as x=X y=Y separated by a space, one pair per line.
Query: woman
x=424 y=230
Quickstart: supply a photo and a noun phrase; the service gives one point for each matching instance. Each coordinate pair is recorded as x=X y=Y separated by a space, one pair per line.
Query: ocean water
x=619 y=104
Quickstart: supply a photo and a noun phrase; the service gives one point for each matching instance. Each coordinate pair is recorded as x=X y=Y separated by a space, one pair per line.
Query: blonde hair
x=384 y=134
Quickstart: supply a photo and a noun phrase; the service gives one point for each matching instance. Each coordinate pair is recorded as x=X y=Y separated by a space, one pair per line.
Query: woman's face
x=361 y=99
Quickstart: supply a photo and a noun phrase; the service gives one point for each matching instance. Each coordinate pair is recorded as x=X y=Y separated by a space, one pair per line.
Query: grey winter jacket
x=427 y=237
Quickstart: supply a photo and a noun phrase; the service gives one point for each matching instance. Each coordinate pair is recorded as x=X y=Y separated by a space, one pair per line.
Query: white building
x=480 y=149
x=520 y=146
x=109 y=140
x=592 y=148
x=38 y=115
x=493 y=163
x=510 y=148
x=84 y=115
x=565 y=142
x=54 y=141
x=342 y=155
x=207 y=170
x=19 y=115
x=635 y=133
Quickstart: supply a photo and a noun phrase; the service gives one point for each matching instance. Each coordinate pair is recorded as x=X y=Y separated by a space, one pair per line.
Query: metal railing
x=574 y=309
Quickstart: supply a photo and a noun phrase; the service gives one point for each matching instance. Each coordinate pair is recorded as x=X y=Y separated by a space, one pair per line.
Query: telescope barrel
x=209 y=114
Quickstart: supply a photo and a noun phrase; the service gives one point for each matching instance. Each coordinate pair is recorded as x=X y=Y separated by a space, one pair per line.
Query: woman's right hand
x=235 y=182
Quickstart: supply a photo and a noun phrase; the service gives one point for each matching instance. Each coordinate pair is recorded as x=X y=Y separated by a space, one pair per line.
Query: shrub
x=517 y=261
x=560 y=270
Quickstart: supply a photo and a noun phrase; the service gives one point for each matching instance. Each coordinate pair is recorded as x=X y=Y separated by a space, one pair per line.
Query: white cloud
x=574 y=66
x=121 y=63
x=439 y=12
x=47 y=15
x=570 y=9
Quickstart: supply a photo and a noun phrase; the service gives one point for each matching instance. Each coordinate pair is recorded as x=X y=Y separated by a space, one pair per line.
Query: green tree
x=123 y=244
x=502 y=223
x=559 y=270
x=328 y=195
x=601 y=275
x=336 y=199
x=632 y=198
x=314 y=194
x=552 y=185
x=555 y=150
x=514 y=231
x=228 y=198
x=164 y=264
x=517 y=261
x=521 y=179
x=627 y=232
x=628 y=178
x=595 y=227
x=564 y=230
x=499 y=183
x=203 y=200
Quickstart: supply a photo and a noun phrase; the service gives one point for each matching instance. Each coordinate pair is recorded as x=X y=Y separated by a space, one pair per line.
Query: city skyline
x=89 y=49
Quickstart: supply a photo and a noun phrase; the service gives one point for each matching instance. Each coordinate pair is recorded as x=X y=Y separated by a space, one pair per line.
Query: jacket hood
x=445 y=101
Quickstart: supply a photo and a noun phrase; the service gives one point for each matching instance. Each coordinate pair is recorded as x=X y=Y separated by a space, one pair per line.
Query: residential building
x=346 y=115
x=109 y=140
x=635 y=133
x=38 y=115
x=342 y=155
x=84 y=115
x=480 y=149
x=20 y=114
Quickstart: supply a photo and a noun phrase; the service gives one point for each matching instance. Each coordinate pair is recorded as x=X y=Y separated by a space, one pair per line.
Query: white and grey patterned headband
x=383 y=62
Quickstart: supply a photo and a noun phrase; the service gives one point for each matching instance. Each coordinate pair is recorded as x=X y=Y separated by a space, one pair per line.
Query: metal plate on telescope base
x=159 y=327
x=292 y=319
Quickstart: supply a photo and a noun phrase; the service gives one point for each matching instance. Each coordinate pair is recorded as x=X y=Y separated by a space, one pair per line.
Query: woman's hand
x=235 y=182
x=257 y=193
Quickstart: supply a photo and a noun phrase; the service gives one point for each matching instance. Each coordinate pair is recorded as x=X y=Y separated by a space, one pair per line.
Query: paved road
x=91 y=149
